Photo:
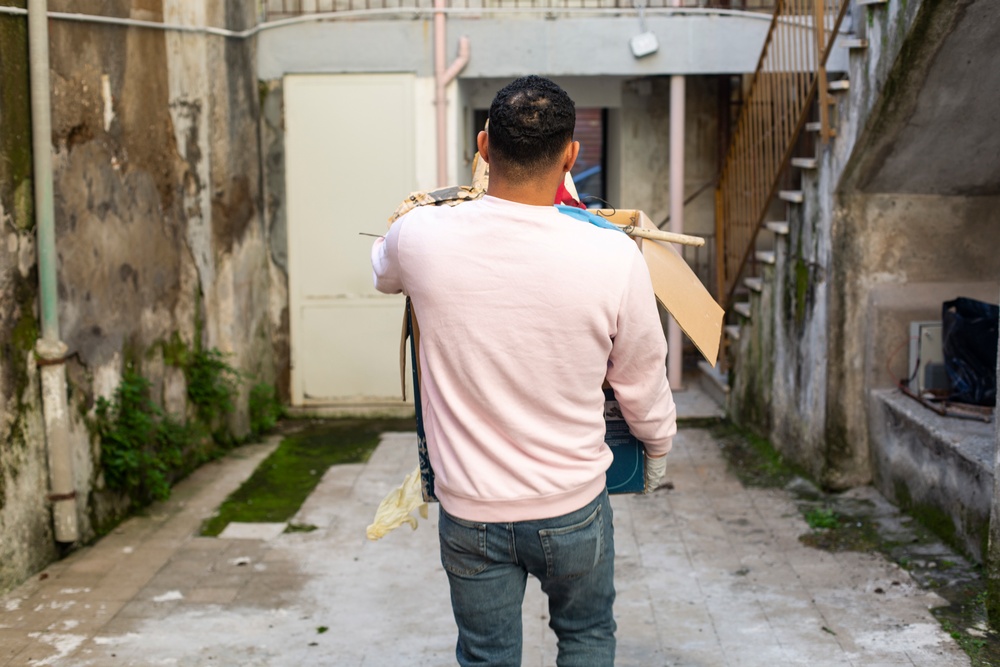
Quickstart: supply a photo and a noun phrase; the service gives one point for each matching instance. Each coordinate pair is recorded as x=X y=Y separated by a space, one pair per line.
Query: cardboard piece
x=676 y=286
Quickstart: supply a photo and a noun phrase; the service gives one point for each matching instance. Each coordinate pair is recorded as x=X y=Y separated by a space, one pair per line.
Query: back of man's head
x=531 y=122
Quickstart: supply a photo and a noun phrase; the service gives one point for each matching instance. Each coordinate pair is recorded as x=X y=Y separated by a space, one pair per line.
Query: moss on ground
x=752 y=458
x=280 y=484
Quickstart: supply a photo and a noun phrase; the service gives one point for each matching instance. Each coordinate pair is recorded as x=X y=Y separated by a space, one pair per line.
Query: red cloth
x=564 y=197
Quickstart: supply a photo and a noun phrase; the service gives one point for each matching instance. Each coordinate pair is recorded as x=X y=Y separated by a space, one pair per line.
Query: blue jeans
x=488 y=565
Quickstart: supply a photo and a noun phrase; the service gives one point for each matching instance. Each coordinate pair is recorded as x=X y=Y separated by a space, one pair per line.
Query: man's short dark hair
x=531 y=122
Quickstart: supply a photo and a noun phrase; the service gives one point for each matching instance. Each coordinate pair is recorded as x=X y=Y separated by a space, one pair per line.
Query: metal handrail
x=790 y=75
x=276 y=9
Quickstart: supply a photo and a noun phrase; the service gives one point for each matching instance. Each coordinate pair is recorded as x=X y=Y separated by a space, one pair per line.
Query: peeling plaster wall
x=888 y=228
x=272 y=140
x=795 y=353
x=25 y=527
x=871 y=247
x=644 y=148
x=159 y=234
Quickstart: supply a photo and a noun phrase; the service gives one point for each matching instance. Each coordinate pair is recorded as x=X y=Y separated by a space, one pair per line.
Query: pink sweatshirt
x=523 y=312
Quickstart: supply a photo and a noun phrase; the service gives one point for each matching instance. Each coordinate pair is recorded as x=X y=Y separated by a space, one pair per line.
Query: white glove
x=655 y=469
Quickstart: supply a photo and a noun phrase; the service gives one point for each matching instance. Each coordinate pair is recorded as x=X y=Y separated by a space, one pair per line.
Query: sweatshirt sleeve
x=386 y=272
x=636 y=367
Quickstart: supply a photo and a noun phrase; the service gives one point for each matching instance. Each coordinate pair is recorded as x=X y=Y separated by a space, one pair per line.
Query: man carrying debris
x=524 y=312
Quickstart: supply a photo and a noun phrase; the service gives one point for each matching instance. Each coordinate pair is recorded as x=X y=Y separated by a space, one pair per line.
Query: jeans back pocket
x=463 y=545
x=572 y=551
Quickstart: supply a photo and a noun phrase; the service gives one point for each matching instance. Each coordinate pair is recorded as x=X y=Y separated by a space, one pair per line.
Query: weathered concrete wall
x=866 y=221
x=895 y=239
x=25 y=529
x=644 y=149
x=909 y=254
x=159 y=234
x=904 y=236
x=272 y=141
x=933 y=129
x=939 y=469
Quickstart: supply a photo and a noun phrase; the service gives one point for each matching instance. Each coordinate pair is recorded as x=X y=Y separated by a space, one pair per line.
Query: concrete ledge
x=938 y=468
x=348 y=409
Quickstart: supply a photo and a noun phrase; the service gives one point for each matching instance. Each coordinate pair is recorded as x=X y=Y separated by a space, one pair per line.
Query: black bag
x=969 y=344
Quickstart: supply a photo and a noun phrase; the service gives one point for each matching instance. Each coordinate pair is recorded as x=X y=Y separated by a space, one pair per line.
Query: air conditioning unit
x=927 y=371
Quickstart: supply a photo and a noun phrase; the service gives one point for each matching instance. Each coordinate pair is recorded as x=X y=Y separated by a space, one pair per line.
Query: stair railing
x=790 y=74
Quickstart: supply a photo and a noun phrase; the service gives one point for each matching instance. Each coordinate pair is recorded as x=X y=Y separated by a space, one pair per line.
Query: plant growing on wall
x=265 y=409
x=144 y=450
x=140 y=445
x=211 y=387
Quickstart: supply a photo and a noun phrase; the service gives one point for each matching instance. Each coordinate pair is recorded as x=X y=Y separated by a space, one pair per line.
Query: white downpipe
x=674 y=335
x=443 y=75
x=51 y=351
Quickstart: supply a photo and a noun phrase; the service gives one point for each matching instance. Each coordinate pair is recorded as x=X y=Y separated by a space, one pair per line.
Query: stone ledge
x=939 y=468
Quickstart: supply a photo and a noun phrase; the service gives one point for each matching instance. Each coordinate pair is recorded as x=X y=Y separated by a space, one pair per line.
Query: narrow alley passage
x=709 y=573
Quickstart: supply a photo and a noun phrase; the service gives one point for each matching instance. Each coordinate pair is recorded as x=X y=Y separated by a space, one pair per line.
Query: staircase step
x=854 y=43
x=743 y=308
x=766 y=256
x=732 y=331
x=839 y=86
x=755 y=284
x=814 y=126
x=804 y=162
x=714 y=383
x=777 y=227
x=793 y=196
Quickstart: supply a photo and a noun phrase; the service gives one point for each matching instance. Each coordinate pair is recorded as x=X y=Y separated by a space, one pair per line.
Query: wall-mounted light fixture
x=645 y=43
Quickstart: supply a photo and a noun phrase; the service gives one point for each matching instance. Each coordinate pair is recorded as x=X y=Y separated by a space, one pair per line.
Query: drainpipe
x=442 y=77
x=677 y=95
x=50 y=351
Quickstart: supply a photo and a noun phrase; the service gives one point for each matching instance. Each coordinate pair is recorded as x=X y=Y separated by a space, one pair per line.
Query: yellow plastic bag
x=395 y=508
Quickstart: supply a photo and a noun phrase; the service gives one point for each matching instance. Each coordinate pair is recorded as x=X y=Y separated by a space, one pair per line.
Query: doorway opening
x=591 y=166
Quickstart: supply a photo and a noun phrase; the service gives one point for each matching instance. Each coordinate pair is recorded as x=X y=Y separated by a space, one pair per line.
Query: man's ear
x=483 y=144
x=569 y=157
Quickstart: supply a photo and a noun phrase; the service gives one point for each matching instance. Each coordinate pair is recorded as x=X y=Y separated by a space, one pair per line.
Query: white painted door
x=350 y=145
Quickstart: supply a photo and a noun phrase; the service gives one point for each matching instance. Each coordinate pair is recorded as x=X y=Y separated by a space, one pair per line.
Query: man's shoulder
x=612 y=241
x=432 y=212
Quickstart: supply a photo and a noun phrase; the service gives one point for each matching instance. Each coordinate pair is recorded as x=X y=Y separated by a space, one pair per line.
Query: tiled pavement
x=708 y=574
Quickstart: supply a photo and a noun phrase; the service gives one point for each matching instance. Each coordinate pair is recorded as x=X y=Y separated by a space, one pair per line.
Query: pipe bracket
x=51 y=352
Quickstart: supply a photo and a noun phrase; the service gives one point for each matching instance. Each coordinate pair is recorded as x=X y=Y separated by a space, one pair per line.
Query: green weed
x=822 y=518
x=211 y=386
x=144 y=450
x=140 y=445
x=265 y=409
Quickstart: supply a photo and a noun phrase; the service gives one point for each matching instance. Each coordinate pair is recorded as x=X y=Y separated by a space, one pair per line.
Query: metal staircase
x=786 y=116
